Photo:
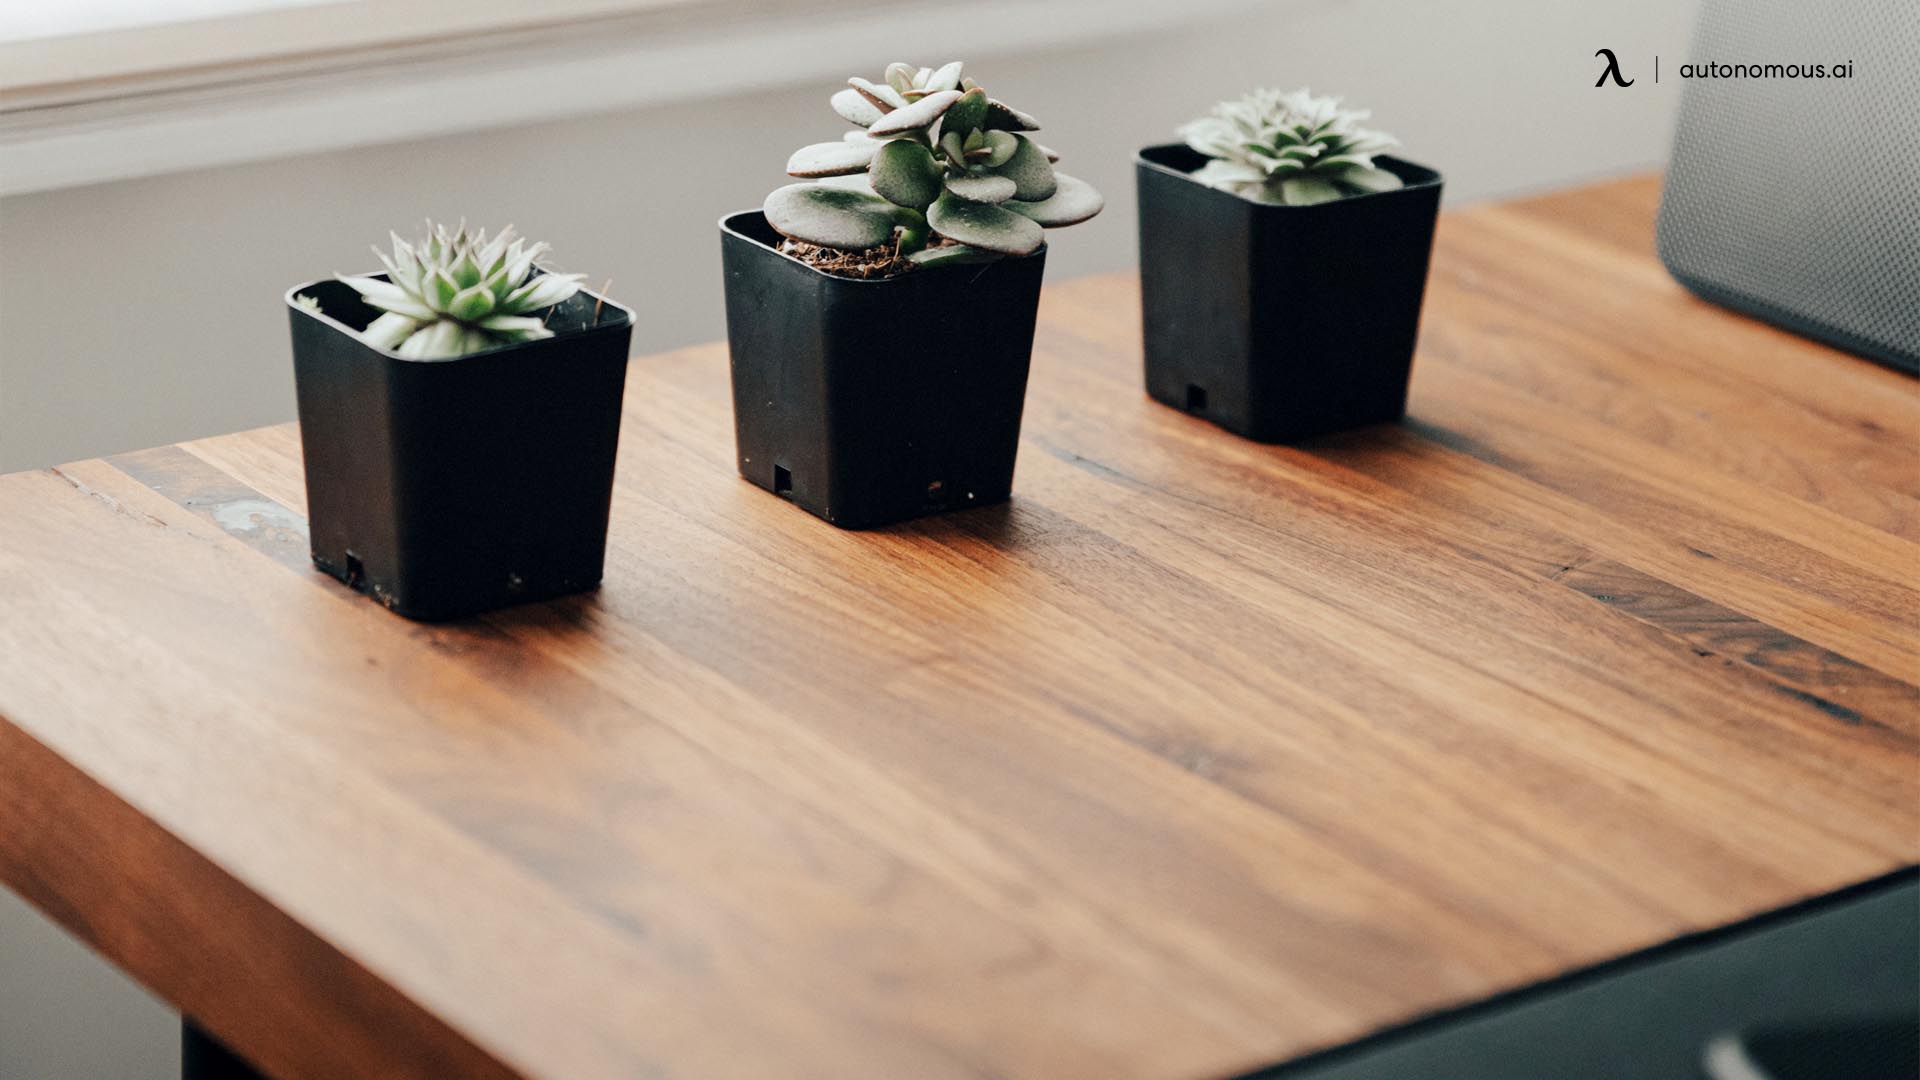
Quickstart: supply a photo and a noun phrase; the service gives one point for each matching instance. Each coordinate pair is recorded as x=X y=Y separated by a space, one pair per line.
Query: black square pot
x=1280 y=323
x=873 y=401
x=443 y=488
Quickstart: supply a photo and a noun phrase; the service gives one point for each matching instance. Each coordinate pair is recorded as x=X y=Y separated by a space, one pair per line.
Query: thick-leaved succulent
x=932 y=156
x=1290 y=148
x=458 y=292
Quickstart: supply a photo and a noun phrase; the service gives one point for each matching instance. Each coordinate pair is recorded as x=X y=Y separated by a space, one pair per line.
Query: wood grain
x=1197 y=755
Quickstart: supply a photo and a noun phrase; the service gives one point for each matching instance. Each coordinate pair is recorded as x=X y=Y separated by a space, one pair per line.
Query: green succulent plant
x=458 y=292
x=933 y=156
x=1289 y=148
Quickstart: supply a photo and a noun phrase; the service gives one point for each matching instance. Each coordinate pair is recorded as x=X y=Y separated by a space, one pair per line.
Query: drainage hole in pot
x=1196 y=397
x=355 y=572
x=782 y=480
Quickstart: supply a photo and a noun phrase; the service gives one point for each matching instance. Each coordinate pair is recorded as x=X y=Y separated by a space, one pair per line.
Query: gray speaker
x=1795 y=197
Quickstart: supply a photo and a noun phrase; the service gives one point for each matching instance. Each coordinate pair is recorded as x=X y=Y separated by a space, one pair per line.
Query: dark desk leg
x=203 y=1058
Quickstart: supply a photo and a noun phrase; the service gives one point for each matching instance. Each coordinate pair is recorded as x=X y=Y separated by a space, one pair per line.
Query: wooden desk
x=1197 y=755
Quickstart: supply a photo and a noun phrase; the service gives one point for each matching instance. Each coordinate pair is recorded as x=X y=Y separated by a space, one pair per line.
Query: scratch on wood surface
x=112 y=503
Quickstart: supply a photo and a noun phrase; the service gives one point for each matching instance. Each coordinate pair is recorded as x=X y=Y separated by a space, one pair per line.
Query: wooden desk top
x=1198 y=755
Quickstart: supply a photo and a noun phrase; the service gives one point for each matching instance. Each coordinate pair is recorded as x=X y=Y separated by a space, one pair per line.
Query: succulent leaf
x=881 y=96
x=522 y=264
x=833 y=217
x=1307 y=190
x=831 y=159
x=437 y=339
x=493 y=256
x=439 y=289
x=393 y=268
x=990 y=228
x=915 y=117
x=982 y=187
x=1029 y=170
x=914 y=232
x=1000 y=148
x=465 y=270
x=967 y=114
x=946 y=78
x=515 y=327
x=954 y=146
x=471 y=304
x=387 y=296
x=389 y=330
x=1005 y=117
x=1072 y=202
x=952 y=254
x=1370 y=180
x=854 y=107
x=905 y=174
x=1221 y=173
x=862 y=182
x=540 y=292
x=405 y=261
x=900 y=76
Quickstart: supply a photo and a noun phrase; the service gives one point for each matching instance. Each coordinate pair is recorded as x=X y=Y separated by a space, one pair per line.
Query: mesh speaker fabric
x=1798 y=200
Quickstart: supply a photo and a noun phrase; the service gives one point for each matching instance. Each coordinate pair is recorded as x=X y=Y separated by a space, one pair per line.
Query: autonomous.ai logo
x=1807 y=68
x=1612 y=70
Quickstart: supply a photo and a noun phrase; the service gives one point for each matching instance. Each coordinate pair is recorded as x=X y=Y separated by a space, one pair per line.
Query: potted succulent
x=880 y=313
x=458 y=416
x=1283 y=260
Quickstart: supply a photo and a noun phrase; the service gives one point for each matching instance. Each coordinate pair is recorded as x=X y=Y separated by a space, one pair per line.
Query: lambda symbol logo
x=1612 y=71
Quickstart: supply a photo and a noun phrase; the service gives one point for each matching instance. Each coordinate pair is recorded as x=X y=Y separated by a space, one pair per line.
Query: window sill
x=333 y=93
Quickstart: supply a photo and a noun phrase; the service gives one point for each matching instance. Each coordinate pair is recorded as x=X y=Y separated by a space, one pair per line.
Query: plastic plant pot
x=444 y=488
x=1281 y=323
x=868 y=402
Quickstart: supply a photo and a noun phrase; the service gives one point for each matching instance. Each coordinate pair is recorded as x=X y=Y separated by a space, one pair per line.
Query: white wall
x=148 y=311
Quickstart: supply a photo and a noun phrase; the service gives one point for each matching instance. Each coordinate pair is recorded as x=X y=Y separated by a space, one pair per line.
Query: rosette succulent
x=932 y=156
x=458 y=292
x=1292 y=148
